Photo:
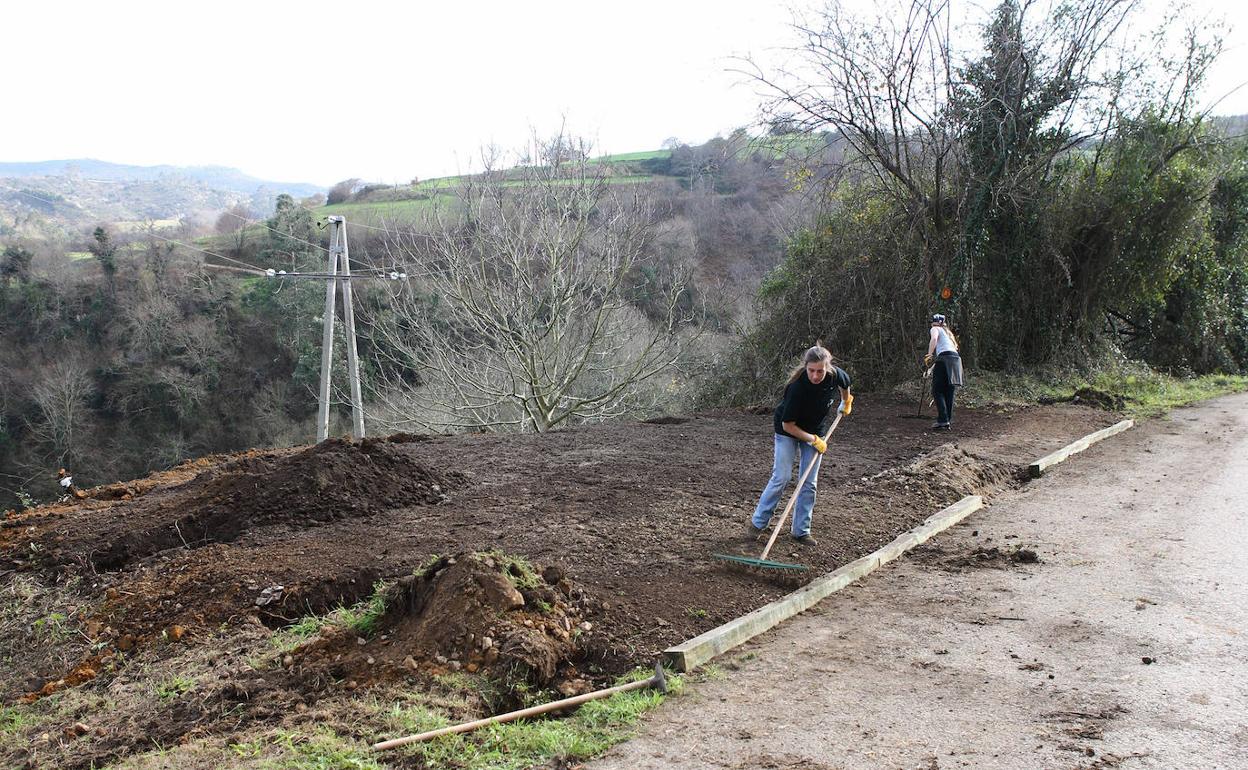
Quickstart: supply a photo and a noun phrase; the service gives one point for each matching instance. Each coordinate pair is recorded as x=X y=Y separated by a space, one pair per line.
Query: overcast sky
x=317 y=92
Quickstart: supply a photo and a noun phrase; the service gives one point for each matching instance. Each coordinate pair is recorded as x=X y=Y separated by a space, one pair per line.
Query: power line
x=279 y=232
x=393 y=274
x=231 y=268
x=388 y=231
x=249 y=267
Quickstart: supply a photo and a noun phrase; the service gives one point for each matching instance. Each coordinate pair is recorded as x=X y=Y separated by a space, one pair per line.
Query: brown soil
x=618 y=522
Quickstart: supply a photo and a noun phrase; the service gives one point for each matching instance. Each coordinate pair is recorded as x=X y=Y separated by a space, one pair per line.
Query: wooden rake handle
x=798 y=490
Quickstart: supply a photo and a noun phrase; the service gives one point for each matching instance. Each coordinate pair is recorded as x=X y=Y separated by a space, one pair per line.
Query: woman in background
x=942 y=353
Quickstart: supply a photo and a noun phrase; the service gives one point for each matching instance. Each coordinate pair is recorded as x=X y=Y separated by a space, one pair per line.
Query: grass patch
x=626 y=157
x=518 y=570
x=15 y=719
x=322 y=750
x=591 y=730
x=407 y=209
x=174 y=687
x=360 y=618
x=1150 y=394
x=1147 y=393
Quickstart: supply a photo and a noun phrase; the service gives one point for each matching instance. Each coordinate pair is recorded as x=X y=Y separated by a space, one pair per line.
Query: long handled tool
x=924 y=382
x=658 y=681
x=762 y=561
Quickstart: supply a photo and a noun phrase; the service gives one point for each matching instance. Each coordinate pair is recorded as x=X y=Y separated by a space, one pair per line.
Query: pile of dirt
x=944 y=475
x=336 y=479
x=980 y=557
x=1093 y=397
x=475 y=612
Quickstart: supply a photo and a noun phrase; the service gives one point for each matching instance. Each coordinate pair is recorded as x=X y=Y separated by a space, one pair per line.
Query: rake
x=762 y=562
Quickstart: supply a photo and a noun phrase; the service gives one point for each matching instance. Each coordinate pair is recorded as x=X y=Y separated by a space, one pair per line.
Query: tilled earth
x=614 y=527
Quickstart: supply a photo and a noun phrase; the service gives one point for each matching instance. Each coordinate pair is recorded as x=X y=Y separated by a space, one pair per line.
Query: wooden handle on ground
x=798 y=490
x=655 y=681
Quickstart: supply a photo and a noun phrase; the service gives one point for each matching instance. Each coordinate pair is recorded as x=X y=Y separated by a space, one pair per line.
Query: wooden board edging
x=690 y=654
x=1037 y=469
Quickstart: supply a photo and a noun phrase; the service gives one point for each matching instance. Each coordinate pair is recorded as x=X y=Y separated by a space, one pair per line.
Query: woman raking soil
x=800 y=419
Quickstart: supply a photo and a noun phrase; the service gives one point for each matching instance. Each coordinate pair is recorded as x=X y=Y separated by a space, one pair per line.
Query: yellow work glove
x=819 y=444
x=847 y=405
x=927 y=360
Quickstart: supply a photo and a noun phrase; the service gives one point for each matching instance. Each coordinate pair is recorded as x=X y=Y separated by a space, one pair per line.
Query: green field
x=135 y=225
x=379 y=212
x=627 y=157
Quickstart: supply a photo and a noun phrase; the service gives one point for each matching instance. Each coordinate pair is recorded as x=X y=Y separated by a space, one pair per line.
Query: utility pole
x=339 y=271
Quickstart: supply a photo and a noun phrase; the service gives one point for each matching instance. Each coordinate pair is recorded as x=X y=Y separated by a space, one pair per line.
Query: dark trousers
x=943 y=388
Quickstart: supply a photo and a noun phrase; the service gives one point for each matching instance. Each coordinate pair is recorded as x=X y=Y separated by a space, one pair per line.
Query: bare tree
x=536 y=303
x=234 y=221
x=62 y=398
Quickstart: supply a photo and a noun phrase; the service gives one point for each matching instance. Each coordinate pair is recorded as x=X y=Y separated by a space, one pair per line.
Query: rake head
x=762 y=564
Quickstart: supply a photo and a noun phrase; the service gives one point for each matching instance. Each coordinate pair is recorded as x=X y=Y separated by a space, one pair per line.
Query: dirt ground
x=1119 y=645
x=614 y=526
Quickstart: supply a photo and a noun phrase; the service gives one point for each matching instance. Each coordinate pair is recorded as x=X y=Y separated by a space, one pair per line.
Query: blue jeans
x=786 y=450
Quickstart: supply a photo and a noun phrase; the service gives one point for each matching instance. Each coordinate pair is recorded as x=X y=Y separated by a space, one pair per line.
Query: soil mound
x=981 y=557
x=947 y=473
x=1099 y=399
x=335 y=479
x=475 y=612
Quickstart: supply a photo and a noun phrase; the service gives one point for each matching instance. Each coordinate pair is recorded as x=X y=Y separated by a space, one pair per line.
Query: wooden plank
x=700 y=649
x=1038 y=468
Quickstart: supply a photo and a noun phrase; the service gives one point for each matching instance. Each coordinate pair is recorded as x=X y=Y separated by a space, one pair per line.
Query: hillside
x=221 y=178
x=57 y=199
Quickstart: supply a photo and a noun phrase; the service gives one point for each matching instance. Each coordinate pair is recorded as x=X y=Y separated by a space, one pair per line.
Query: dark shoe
x=807 y=539
x=940 y=426
x=752 y=531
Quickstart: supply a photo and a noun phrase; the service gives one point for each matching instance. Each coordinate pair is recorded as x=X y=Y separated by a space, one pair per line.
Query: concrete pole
x=348 y=317
x=327 y=339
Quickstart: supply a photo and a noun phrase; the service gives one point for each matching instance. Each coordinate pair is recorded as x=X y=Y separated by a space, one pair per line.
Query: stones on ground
x=499 y=592
x=76 y=729
x=269 y=595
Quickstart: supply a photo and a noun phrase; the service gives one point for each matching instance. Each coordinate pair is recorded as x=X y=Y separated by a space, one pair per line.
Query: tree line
x=1054 y=188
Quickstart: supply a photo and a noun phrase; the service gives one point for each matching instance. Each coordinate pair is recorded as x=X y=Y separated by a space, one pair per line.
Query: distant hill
x=215 y=177
x=59 y=198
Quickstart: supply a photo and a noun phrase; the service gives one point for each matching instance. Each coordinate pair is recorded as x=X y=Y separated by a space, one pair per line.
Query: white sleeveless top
x=944 y=342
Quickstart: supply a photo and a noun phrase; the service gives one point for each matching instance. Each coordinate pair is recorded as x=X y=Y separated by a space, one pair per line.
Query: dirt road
x=1123 y=647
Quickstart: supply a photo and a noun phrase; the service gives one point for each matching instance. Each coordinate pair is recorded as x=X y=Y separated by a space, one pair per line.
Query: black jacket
x=808 y=404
